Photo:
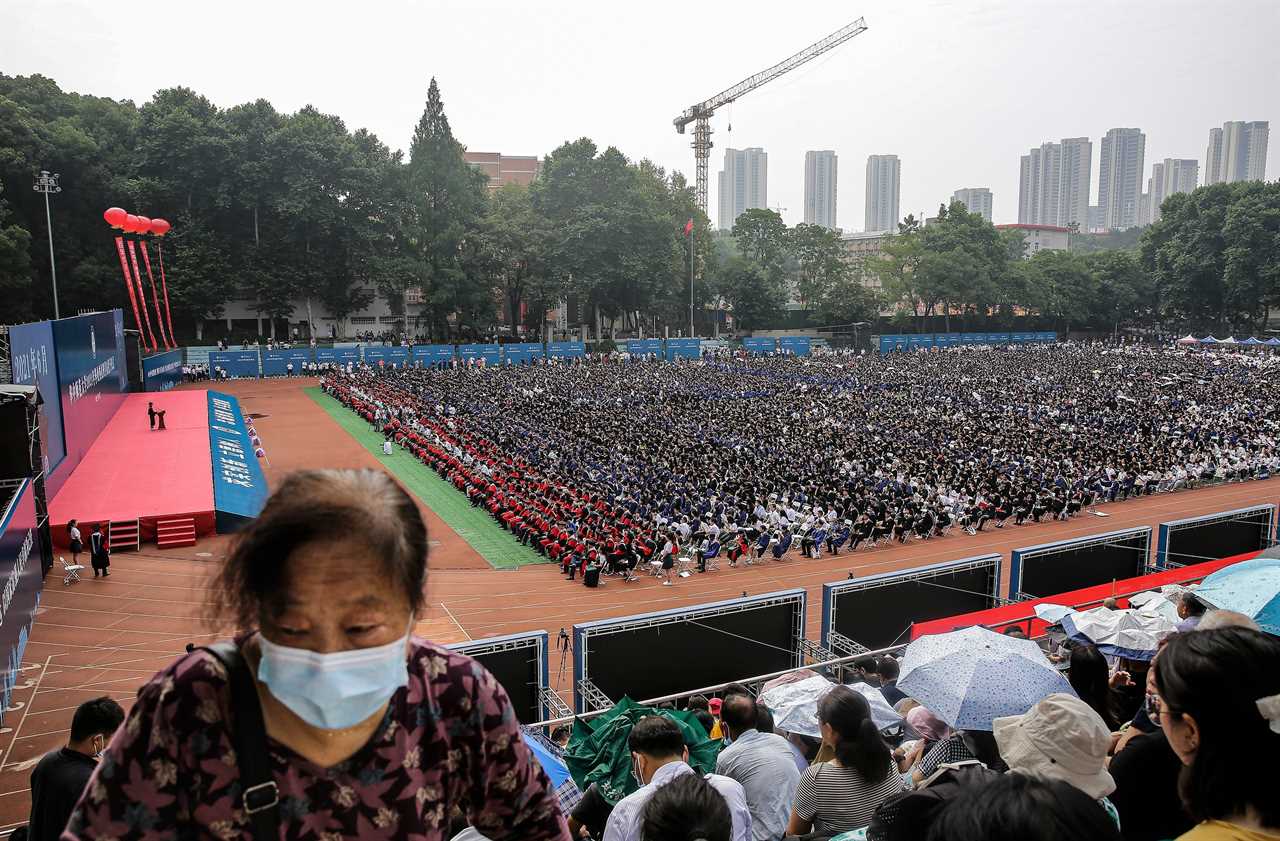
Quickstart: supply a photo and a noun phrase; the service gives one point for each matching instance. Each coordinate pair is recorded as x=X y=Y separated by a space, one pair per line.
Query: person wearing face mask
x=364 y=730
x=658 y=756
x=61 y=775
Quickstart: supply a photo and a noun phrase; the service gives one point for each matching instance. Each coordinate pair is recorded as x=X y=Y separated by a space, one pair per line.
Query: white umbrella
x=1051 y=613
x=1135 y=634
x=795 y=705
x=971 y=676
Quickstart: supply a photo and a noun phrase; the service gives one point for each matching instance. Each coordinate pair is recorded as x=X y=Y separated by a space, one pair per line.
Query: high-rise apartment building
x=1120 y=177
x=1054 y=183
x=1172 y=175
x=820 y=188
x=883 y=191
x=743 y=184
x=1237 y=152
x=976 y=200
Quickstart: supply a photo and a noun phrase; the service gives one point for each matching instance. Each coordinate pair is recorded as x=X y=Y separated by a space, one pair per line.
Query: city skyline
x=741 y=184
x=525 y=85
x=883 y=205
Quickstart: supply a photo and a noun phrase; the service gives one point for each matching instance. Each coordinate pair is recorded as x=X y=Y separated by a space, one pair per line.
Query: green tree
x=756 y=297
x=1124 y=292
x=446 y=199
x=762 y=236
x=820 y=263
x=15 y=266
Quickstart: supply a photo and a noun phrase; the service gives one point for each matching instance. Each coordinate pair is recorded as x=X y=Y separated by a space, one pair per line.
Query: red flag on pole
x=128 y=282
x=688 y=227
x=142 y=295
x=155 y=298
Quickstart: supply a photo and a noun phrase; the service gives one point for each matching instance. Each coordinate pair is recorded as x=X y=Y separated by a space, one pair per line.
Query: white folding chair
x=71 y=572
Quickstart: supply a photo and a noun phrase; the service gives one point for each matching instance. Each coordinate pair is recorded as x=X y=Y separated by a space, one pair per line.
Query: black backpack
x=907 y=816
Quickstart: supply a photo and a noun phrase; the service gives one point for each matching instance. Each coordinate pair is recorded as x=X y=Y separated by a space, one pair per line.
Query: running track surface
x=108 y=636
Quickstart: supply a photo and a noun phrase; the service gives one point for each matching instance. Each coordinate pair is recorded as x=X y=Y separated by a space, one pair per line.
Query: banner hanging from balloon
x=128 y=282
x=142 y=294
x=155 y=299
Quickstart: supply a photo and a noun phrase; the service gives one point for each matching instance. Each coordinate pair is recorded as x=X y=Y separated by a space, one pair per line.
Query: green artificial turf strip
x=474 y=525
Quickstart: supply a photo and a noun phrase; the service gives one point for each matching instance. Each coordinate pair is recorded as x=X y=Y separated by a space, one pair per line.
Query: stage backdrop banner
x=566 y=350
x=275 y=363
x=162 y=371
x=239 y=488
x=433 y=354
x=644 y=347
x=386 y=354
x=518 y=353
x=340 y=355
x=35 y=362
x=92 y=382
x=759 y=345
x=491 y=354
x=20 y=569
x=684 y=348
x=237 y=363
x=795 y=345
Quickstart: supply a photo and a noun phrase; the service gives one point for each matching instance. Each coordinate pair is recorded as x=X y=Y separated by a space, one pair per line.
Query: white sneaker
x=666 y=584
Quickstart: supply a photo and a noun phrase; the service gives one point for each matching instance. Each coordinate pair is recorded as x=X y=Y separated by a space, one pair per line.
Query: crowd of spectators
x=621 y=464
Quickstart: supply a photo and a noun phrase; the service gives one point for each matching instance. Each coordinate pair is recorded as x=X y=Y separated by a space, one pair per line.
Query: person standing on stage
x=99 y=552
x=74 y=544
x=160 y=416
x=151 y=414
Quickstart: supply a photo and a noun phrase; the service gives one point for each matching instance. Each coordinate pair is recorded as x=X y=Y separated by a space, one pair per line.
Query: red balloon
x=130 y=224
x=144 y=225
x=115 y=216
x=159 y=227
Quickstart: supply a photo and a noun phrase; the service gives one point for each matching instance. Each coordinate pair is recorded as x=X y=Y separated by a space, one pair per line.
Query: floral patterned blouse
x=449 y=738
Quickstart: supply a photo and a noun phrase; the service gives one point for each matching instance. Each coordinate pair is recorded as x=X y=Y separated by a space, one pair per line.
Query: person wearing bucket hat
x=1060 y=738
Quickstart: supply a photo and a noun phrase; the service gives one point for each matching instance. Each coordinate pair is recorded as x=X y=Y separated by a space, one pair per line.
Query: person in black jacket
x=61 y=775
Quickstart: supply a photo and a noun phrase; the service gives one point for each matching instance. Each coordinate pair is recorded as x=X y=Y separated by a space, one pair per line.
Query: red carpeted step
x=124 y=534
x=172 y=532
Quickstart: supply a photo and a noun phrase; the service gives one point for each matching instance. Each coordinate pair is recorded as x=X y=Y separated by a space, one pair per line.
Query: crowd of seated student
x=613 y=461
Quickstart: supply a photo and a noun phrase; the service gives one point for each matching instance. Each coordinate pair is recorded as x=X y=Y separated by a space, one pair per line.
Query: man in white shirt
x=763 y=763
x=659 y=755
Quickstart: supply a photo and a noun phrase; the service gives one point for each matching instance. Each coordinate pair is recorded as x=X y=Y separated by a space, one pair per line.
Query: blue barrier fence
x=684 y=349
x=924 y=341
x=275 y=363
x=20 y=569
x=644 y=347
x=433 y=354
x=491 y=354
x=386 y=355
x=239 y=488
x=162 y=371
x=521 y=353
x=237 y=363
x=566 y=350
x=339 y=355
x=795 y=345
x=760 y=345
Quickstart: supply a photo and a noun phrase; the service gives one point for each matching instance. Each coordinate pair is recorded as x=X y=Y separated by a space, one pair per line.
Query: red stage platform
x=132 y=473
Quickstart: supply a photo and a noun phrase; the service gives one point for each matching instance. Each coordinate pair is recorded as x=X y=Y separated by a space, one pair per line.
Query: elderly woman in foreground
x=364 y=731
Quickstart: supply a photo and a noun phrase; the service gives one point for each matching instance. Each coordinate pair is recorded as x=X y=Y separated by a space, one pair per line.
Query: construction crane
x=700 y=114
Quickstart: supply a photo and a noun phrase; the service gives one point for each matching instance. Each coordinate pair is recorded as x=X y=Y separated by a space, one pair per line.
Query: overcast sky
x=958 y=90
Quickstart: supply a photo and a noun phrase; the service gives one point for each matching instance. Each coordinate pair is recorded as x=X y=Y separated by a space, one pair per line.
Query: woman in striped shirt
x=843 y=794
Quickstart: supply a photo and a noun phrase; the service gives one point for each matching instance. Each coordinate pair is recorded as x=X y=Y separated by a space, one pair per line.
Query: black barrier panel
x=675 y=651
x=1043 y=571
x=881 y=615
x=1196 y=543
x=519 y=665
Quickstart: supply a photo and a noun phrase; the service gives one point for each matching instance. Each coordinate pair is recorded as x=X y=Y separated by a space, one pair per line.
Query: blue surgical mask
x=337 y=690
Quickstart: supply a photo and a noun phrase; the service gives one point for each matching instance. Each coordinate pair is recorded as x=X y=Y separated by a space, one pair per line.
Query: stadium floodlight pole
x=48 y=183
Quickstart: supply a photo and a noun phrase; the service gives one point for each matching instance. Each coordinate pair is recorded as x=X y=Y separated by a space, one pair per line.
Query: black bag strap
x=260 y=798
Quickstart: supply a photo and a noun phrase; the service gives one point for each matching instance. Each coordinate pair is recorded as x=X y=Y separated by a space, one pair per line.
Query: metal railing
x=756 y=680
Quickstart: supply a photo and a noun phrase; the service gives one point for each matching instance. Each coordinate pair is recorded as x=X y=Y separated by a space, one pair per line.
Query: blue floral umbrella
x=969 y=677
x=1251 y=587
